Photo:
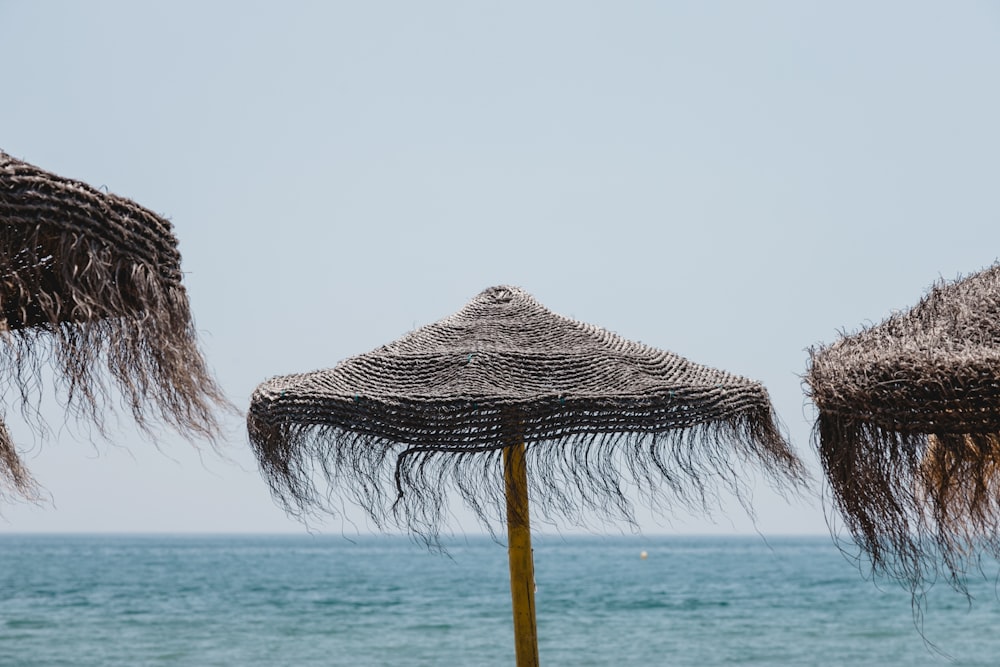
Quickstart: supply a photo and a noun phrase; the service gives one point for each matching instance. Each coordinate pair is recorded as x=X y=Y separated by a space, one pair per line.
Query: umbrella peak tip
x=502 y=293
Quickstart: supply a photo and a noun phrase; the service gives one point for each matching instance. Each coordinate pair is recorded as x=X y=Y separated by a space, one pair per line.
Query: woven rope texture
x=908 y=427
x=90 y=285
x=394 y=429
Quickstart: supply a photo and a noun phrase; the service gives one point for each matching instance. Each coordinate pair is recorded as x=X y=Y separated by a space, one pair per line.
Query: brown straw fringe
x=396 y=429
x=90 y=284
x=908 y=428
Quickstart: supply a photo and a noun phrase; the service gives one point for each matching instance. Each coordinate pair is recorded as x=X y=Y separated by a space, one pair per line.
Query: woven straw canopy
x=90 y=284
x=393 y=429
x=909 y=430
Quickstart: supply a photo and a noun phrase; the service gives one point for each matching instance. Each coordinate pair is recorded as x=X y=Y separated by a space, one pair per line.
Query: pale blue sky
x=731 y=181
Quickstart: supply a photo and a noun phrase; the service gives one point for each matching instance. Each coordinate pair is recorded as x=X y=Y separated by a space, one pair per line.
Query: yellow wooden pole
x=522 y=567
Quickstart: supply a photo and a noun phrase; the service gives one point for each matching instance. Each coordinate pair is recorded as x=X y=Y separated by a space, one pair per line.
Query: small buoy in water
x=644 y=555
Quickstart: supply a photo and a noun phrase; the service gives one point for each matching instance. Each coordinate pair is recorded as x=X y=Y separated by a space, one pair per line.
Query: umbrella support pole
x=522 y=567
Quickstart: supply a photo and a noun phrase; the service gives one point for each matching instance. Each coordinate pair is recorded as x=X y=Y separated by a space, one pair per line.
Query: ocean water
x=325 y=600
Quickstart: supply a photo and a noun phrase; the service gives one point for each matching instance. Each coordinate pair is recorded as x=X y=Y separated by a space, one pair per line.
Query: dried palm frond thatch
x=17 y=481
x=909 y=431
x=394 y=429
x=90 y=284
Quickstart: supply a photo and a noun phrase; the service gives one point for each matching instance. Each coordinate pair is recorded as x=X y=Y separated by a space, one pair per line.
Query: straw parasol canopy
x=473 y=402
x=393 y=429
x=909 y=431
x=90 y=285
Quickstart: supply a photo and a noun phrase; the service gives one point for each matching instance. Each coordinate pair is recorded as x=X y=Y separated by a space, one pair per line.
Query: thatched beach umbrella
x=505 y=383
x=90 y=285
x=909 y=431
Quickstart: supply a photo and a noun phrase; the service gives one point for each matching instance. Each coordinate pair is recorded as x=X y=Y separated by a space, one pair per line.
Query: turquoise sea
x=79 y=601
